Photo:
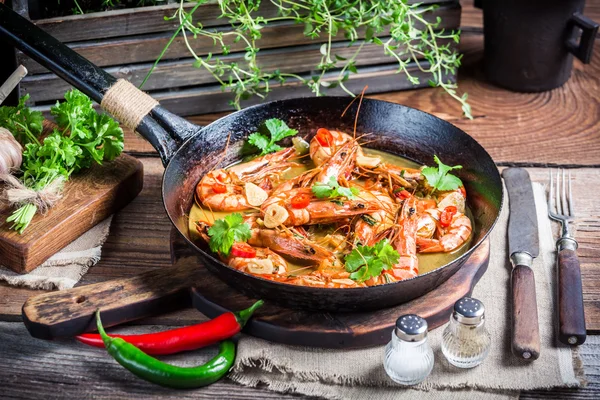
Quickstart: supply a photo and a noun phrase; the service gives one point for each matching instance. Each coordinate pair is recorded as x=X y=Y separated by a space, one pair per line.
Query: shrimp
x=450 y=238
x=320 y=153
x=266 y=262
x=318 y=211
x=405 y=242
x=224 y=189
x=396 y=176
x=340 y=164
x=369 y=226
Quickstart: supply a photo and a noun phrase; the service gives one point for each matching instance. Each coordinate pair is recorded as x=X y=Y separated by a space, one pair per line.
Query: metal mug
x=530 y=44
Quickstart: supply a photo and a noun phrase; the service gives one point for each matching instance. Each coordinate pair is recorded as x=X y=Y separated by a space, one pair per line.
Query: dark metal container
x=530 y=44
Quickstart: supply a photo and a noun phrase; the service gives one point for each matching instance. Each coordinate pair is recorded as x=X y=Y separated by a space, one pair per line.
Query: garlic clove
x=275 y=215
x=258 y=266
x=367 y=162
x=255 y=195
x=10 y=152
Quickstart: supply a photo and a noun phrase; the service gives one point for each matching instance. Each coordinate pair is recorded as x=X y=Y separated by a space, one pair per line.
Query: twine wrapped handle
x=15 y=193
x=127 y=103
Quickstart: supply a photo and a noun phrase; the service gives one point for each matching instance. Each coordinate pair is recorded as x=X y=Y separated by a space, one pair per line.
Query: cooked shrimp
x=325 y=143
x=224 y=189
x=450 y=238
x=405 y=242
x=317 y=211
x=266 y=262
x=369 y=226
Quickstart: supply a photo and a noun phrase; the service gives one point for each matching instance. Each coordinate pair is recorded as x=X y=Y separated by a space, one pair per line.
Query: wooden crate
x=126 y=43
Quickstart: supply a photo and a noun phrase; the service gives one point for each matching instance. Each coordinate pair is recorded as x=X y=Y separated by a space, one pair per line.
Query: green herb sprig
x=439 y=177
x=400 y=29
x=227 y=231
x=366 y=262
x=332 y=189
x=277 y=130
x=82 y=138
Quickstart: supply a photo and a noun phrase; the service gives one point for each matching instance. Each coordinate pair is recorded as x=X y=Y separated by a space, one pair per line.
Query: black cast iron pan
x=188 y=152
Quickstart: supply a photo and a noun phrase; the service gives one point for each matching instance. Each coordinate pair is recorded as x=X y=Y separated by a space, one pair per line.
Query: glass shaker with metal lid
x=466 y=341
x=408 y=356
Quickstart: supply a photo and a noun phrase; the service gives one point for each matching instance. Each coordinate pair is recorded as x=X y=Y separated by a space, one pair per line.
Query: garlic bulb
x=10 y=152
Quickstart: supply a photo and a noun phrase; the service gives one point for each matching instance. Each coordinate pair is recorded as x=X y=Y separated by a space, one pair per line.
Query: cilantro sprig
x=439 y=177
x=332 y=189
x=82 y=137
x=225 y=232
x=366 y=262
x=277 y=130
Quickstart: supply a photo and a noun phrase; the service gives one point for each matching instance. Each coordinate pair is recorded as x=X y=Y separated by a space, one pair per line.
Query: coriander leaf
x=277 y=130
x=24 y=123
x=332 y=189
x=225 y=232
x=439 y=177
x=259 y=141
x=365 y=262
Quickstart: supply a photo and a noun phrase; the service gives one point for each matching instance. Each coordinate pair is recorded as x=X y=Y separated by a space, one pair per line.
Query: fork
x=571 y=317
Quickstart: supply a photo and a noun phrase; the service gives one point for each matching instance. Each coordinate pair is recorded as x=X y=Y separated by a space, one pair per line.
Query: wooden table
x=560 y=128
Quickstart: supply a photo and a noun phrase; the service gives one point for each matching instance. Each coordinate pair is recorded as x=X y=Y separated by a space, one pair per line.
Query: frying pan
x=189 y=152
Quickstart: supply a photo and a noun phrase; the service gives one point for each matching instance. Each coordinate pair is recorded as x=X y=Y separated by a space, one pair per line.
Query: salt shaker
x=466 y=341
x=408 y=356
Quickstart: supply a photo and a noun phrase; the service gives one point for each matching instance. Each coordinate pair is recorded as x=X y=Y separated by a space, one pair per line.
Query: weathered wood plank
x=211 y=99
x=135 y=21
x=182 y=73
x=146 y=48
x=67 y=369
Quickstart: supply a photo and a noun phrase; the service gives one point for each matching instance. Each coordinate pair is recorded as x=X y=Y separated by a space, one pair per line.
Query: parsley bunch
x=366 y=262
x=439 y=177
x=399 y=29
x=83 y=137
x=332 y=189
x=225 y=232
x=277 y=130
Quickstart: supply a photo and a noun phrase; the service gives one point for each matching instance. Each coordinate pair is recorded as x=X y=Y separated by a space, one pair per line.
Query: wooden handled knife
x=523 y=247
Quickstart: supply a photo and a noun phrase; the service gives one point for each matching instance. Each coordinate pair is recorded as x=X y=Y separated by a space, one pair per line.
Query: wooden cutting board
x=88 y=198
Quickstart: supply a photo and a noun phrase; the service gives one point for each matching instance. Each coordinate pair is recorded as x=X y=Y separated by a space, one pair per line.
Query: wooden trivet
x=212 y=297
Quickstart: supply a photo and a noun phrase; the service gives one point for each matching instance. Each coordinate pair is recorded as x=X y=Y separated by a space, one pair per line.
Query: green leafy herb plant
x=227 y=231
x=83 y=137
x=439 y=177
x=400 y=29
x=366 y=262
x=332 y=190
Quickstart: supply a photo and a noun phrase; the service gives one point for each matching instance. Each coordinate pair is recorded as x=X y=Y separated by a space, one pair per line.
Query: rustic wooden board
x=213 y=297
x=146 y=48
x=182 y=73
x=135 y=21
x=88 y=199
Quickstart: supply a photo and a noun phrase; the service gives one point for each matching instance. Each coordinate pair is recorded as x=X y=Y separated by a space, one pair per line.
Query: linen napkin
x=359 y=374
x=64 y=269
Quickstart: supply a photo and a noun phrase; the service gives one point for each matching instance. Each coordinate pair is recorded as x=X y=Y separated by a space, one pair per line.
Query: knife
x=523 y=247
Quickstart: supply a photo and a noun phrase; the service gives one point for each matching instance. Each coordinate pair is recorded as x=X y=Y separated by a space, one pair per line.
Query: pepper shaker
x=408 y=356
x=466 y=341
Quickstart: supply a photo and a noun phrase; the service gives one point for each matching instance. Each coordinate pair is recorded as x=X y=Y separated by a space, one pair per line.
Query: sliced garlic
x=258 y=266
x=367 y=162
x=453 y=199
x=255 y=195
x=275 y=215
x=348 y=282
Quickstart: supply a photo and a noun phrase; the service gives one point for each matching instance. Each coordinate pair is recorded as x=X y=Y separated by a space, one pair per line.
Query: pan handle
x=165 y=131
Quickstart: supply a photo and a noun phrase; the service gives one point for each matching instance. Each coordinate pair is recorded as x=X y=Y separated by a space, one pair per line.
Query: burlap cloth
x=359 y=374
x=64 y=269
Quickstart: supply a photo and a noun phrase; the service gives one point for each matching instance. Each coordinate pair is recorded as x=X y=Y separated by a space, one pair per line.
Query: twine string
x=15 y=193
x=127 y=103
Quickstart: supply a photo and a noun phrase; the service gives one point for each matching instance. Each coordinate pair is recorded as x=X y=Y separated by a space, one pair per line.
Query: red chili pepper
x=186 y=338
x=301 y=200
x=402 y=194
x=219 y=188
x=447 y=214
x=243 y=250
x=324 y=137
x=463 y=191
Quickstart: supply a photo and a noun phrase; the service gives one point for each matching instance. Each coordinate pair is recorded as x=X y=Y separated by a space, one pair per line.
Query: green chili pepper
x=156 y=371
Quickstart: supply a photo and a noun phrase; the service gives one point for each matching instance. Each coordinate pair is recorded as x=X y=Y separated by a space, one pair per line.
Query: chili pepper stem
x=244 y=315
x=105 y=338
